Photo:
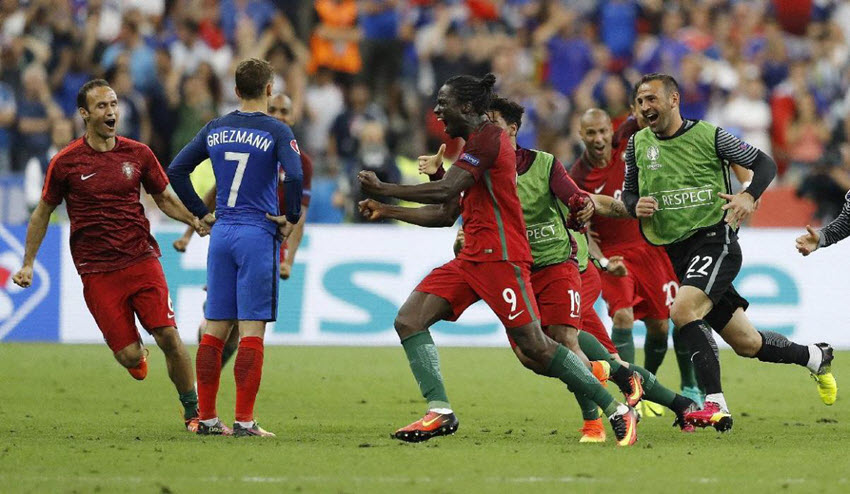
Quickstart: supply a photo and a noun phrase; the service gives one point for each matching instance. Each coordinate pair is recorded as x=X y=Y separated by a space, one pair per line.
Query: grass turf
x=71 y=420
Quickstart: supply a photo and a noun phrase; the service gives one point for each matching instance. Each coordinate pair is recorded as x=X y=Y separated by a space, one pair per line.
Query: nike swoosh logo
x=599 y=189
x=170 y=315
x=429 y=422
x=514 y=316
x=86 y=177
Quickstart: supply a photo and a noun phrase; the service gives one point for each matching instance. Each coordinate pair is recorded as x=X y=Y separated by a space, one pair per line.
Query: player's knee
x=624 y=318
x=167 y=339
x=405 y=326
x=681 y=314
x=565 y=335
x=657 y=327
x=527 y=362
x=535 y=347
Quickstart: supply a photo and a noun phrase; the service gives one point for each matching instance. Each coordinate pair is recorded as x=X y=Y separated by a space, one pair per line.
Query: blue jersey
x=246 y=150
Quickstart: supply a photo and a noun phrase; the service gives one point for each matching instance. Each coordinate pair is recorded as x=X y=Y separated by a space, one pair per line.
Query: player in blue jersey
x=245 y=147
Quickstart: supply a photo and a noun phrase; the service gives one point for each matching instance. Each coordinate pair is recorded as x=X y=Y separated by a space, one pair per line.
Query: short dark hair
x=670 y=84
x=475 y=90
x=252 y=75
x=83 y=93
x=511 y=111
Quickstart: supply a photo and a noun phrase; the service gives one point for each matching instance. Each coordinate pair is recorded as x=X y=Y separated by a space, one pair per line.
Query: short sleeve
x=481 y=151
x=54 y=182
x=154 y=178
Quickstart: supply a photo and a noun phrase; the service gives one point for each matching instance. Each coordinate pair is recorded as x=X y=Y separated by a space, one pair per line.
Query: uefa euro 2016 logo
x=17 y=303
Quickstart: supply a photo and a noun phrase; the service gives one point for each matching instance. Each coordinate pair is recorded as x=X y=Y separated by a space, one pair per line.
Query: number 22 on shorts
x=694 y=271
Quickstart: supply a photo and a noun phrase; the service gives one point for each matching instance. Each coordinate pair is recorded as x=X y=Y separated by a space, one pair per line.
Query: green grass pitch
x=72 y=420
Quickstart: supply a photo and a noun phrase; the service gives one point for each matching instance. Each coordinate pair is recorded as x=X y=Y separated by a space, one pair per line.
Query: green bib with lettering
x=582 y=252
x=685 y=176
x=543 y=213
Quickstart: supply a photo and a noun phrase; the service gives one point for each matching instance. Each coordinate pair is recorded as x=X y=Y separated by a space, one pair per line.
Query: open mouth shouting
x=651 y=117
x=110 y=124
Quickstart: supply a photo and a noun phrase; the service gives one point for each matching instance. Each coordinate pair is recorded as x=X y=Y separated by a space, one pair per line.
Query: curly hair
x=478 y=91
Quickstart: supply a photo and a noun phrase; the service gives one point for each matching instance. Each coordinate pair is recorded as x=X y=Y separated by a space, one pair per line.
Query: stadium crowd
x=363 y=76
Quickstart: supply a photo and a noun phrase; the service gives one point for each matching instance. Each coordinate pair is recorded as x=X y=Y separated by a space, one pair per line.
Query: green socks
x=425 y=364
x=625 y=343
x=653 y=390
x=683 y=358
x=589 y=410
x=567 y=367
x=189 y=399
x=655 y=348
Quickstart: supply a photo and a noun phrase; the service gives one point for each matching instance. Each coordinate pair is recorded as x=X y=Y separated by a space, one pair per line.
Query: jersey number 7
x=241 y=160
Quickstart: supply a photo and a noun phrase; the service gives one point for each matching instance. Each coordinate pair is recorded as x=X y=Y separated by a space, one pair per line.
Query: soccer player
x=99 y=175
x=677 y=184
x=280 y=107
x=246 y=148
x=648 y=289
x=493 y=264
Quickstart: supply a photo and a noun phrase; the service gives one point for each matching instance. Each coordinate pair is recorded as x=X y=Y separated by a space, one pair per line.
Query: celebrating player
x=98 y=175
x=544 y=190
x=245 y=147
x=648 y=289
x=280 y=107
x=493 y=264
x=677 y=184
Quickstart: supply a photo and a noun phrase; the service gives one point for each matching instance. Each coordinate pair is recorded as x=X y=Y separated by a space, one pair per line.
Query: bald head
x=595 y=116
x=280 y=107
x=596 y=133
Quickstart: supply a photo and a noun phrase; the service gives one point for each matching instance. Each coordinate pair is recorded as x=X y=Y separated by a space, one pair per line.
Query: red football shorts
x=115 y=296
x=649 y=287
x=505 y=286
x=557 y=291
x=591 y=286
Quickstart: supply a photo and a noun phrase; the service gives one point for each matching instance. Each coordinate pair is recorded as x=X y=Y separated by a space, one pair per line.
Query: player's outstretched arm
x=431 y=215
x=438 y=192
x=36 y=230
x=610 y=207
x=836 y=231
x=171 y=206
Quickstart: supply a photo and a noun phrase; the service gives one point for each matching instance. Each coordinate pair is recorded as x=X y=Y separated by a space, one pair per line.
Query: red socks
x=248 y=370
x=208 y=368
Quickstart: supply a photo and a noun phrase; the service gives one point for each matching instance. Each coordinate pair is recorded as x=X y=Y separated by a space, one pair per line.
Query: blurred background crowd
x=363 y=74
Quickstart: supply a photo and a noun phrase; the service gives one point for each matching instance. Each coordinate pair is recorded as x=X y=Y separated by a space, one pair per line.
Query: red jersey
x=609 y=181
x=109 y=230
x=492 y=215
x=307 y=167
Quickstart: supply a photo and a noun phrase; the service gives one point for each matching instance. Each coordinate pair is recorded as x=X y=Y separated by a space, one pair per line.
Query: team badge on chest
x=129 y=169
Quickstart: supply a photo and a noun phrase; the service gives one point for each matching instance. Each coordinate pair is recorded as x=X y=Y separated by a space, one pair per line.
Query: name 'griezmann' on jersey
x=247 y=150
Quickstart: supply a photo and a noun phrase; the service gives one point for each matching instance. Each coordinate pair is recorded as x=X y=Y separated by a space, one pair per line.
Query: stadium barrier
x=349 y=281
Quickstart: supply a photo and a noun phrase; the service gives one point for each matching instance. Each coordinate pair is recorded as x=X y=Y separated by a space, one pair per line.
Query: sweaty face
x=280 y=107
x=102 y=113
x=448 y=111
x=657 y=106
x=596 y=133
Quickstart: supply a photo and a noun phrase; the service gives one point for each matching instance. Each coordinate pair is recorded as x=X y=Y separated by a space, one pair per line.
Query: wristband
x=603 y=263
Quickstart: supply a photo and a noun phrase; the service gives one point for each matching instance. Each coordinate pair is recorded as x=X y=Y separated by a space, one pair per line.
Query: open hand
x=808 y=243
x=430 y=164
x=739 y=208
x=181 y=243
x=284 y=227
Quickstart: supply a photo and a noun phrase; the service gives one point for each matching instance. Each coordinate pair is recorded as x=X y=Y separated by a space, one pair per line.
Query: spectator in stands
x=36 y=110
x=134 y=122
x=381 y=47
x=335 y=39
x=807 y=137
x=373 y=155
x=142 y=58
x=323 y=102
x=345 y=132
x=8 y=109
x=747 y=114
